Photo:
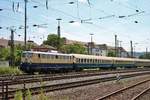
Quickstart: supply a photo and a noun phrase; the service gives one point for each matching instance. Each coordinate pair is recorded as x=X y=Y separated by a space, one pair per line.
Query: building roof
x=4 y=42
x=67 y=41
x=101 y=46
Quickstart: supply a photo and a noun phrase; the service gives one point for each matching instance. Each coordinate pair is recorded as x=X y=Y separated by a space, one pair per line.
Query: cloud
x=41 y=30
x=83 y=1
x=119 y=0
x=76 y=24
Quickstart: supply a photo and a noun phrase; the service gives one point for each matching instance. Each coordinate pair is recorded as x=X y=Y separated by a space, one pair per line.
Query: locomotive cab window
x=23 y=54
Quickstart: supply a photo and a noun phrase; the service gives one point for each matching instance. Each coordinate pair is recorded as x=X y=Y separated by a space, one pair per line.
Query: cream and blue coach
x=90 y=61
x=123 y=62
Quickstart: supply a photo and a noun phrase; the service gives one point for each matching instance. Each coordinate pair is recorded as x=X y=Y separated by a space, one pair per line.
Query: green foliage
x=52 y=40
x=18 y=57
x=145 y=56
x=29 y=95
x=10 y=70
x=111 y=54
x=4 y=53
x=74 y=48
x=18 y=95
x=42 y=95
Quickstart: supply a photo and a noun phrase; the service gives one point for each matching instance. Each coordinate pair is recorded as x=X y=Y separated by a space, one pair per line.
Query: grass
x=18 y=95
x=10 y=70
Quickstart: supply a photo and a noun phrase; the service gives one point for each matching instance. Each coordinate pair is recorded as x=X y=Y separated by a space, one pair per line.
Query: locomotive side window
x=56 y=56
x=39 y=55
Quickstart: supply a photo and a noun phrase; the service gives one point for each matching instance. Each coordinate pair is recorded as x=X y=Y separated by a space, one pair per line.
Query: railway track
x=45 y=77
x=141 y=94
x=25 y=76
x=54 y=87
x=118 y=94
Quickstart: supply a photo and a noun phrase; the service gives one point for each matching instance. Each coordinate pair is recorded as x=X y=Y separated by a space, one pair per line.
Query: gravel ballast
x=94 y=91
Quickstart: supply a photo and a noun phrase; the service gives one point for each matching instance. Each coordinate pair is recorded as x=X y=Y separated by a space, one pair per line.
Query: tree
x=145 y=56
x=111 y=54
x=4 y=53
x=74 y=48
x=52 y=40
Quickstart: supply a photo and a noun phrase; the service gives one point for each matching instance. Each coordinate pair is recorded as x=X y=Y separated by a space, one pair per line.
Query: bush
x=10 y=70
x=18 y=95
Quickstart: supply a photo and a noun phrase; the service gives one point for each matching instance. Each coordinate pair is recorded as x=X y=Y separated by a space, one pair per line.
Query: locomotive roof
x=51 y=53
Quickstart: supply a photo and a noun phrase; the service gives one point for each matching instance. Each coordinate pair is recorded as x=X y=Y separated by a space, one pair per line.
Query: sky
x=128 y=19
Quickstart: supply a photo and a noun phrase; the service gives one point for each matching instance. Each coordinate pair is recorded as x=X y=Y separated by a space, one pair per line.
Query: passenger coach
x=89 y=61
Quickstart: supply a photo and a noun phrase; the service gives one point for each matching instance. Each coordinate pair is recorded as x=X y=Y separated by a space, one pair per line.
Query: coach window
x=87 y=60
x=99 y=61
x=83 y=60
x=71 y=57
x=93 y=60
x=78 y=60
x=90 y=60
x=67 y=57
x=96 y=60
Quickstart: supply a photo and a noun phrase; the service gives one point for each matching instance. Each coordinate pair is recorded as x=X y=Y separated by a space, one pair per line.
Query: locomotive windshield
x=26 y=54
x=23 y=54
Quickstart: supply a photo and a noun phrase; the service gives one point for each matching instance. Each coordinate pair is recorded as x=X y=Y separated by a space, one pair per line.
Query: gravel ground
x=92 y=92
x=146 y=96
